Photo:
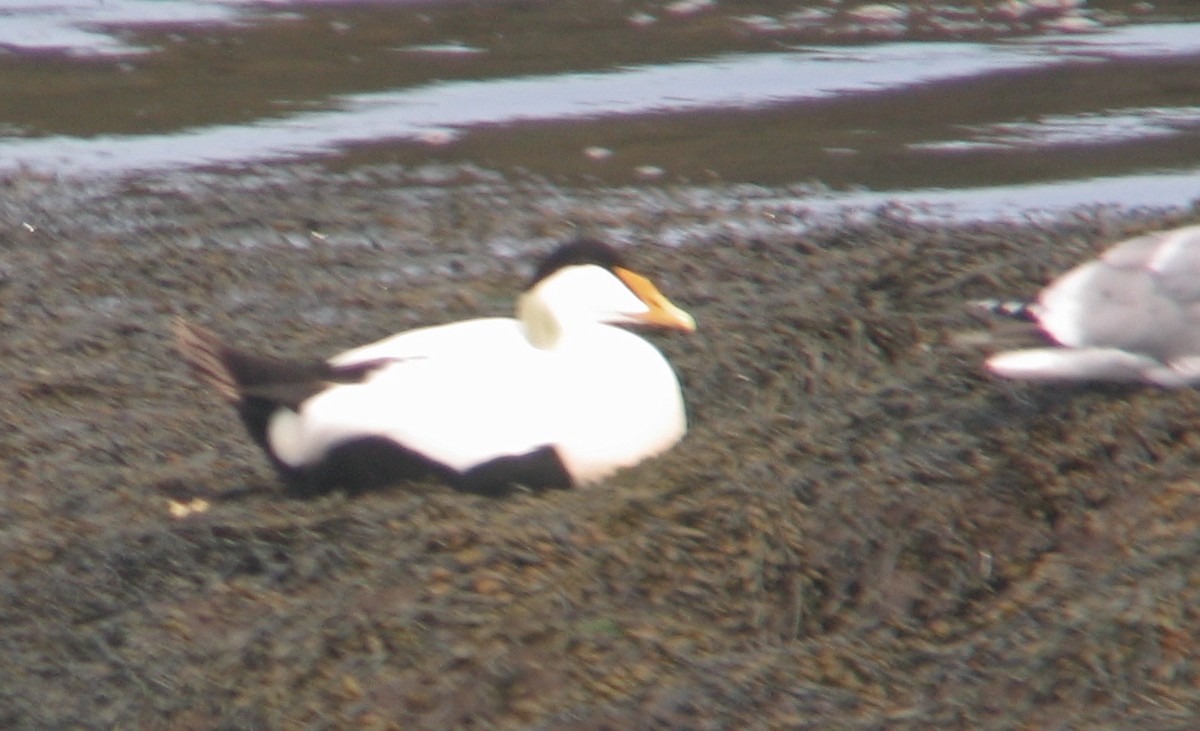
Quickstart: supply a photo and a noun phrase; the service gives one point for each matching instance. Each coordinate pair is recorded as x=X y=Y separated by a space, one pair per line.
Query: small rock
x=597 y=153
x=649 y=172
x=878 y=13
x=688 y=7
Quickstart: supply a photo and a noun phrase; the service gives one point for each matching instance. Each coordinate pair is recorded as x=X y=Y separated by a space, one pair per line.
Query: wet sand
x=861 y=529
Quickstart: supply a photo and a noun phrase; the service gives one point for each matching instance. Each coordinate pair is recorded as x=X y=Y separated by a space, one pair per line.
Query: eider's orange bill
x=662 y=312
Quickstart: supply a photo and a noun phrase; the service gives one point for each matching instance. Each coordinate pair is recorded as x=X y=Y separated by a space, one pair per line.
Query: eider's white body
x=558 y=396
x=469 y=392
x=1131 y=315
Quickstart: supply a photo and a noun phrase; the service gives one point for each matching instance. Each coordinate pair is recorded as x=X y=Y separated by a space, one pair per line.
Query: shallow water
x=1032 y=104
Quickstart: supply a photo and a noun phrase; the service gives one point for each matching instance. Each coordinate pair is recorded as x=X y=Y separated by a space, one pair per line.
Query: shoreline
x=860 y=530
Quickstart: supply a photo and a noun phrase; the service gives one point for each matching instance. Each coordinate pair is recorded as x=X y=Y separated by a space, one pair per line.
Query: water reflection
x=1036 y=113
x=93 y=27
x=441 y=112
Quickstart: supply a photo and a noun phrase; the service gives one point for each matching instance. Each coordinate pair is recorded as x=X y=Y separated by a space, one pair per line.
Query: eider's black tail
x=238 y=375
x=209 y=358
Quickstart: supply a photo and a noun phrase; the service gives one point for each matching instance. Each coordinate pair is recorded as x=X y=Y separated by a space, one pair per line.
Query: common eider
x=1130 y=315
x=556 y=397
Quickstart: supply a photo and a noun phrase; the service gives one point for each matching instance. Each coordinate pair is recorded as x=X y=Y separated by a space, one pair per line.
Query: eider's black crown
x=577 y=253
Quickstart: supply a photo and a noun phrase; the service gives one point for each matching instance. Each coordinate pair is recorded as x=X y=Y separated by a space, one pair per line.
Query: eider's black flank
x=577 y=253
x=541 y=469
x=360 y=465
x=372 y=463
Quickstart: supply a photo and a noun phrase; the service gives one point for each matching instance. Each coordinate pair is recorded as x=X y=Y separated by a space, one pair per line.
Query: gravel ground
x=860 y=531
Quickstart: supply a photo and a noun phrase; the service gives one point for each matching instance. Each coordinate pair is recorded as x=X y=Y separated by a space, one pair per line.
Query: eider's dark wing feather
x=238 y=375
